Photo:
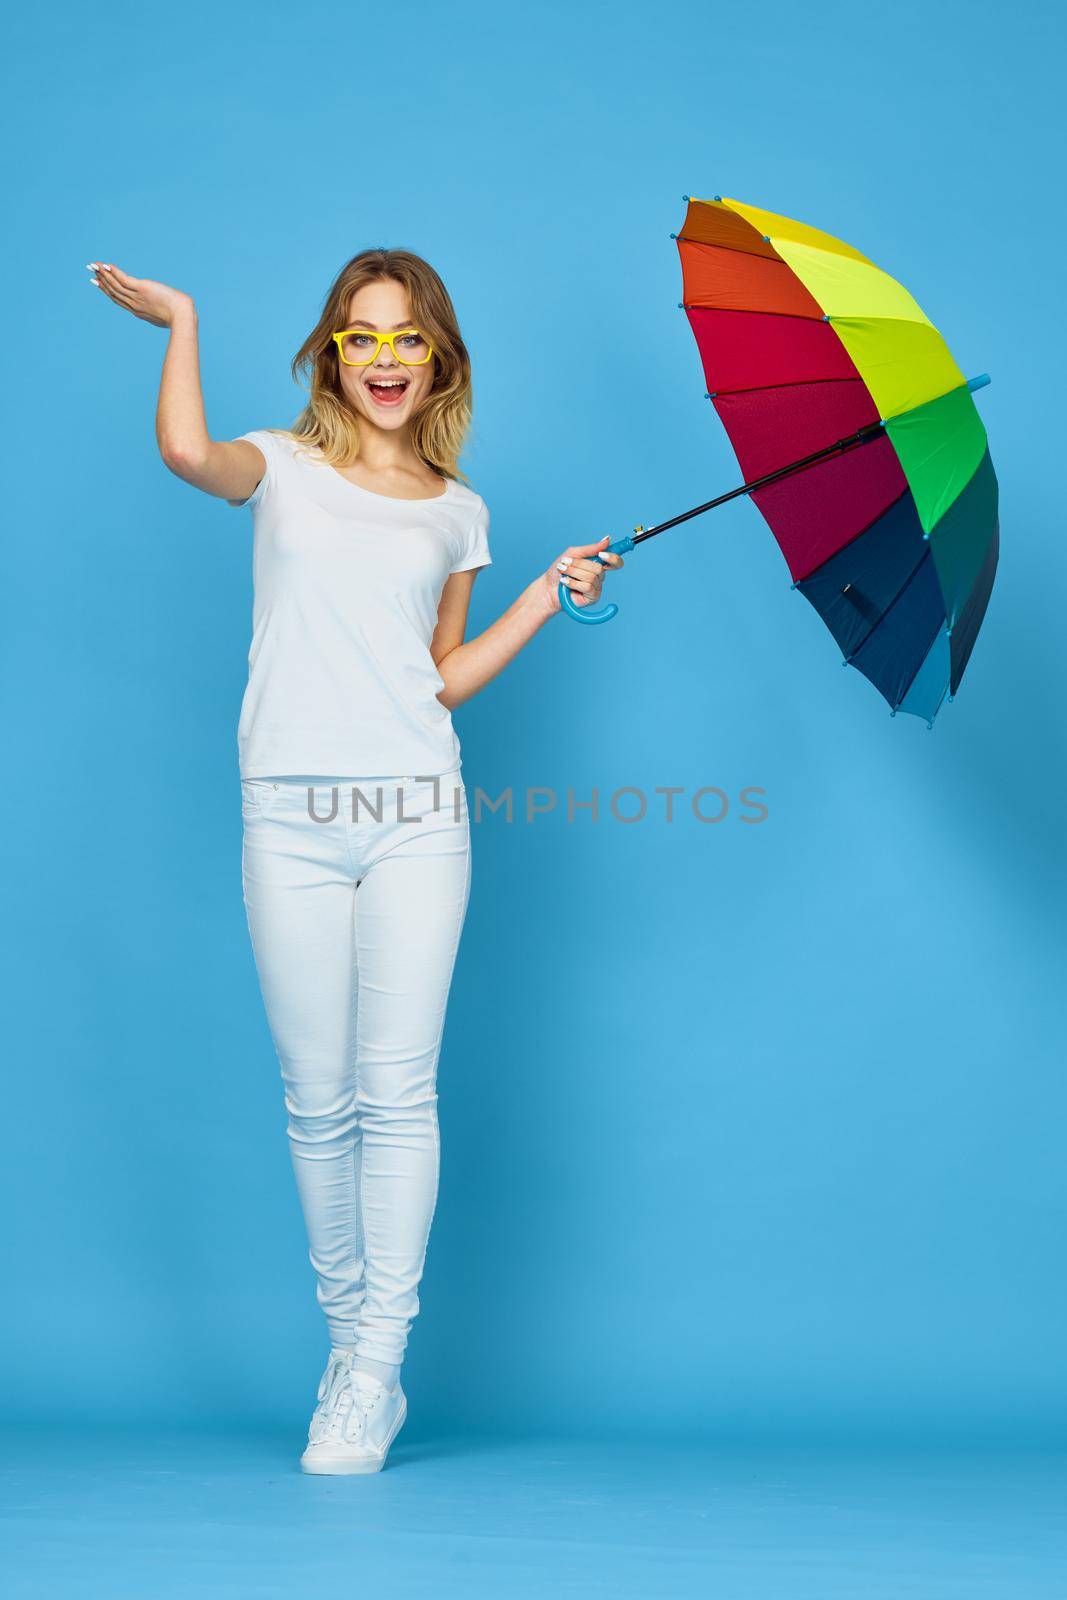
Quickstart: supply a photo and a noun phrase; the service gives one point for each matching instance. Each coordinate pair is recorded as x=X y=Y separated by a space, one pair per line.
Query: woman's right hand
x=156 y=303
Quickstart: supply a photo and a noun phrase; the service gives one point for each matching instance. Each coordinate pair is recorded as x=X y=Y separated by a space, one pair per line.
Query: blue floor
x=155 y=1515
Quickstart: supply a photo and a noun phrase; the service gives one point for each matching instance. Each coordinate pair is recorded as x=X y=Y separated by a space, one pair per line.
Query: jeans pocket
x=258 y=795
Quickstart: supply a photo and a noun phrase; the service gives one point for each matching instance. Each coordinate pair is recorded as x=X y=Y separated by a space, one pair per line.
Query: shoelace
x=342 y=1409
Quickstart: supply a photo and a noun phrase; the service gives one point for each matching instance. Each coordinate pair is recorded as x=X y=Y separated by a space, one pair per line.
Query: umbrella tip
x=685 y=197
x=674 y=236
x=892 y=711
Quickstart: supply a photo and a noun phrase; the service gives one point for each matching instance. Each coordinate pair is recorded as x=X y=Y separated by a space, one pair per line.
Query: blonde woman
x=356 y=856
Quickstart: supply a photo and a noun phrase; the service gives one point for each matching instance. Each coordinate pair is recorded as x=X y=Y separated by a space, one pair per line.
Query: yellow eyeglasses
x=358 y=347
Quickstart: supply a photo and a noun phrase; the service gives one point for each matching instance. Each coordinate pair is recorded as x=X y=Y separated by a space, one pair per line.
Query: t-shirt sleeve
x=474 y=551
x=269 y=445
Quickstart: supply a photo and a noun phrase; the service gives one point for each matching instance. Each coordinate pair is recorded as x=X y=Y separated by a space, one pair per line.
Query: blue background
x=768 y=1117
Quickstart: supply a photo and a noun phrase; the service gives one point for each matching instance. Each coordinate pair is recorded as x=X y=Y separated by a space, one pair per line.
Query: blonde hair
x=440 y=425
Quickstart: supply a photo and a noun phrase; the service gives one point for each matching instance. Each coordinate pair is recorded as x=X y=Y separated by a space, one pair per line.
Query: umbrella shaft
x=873 y=430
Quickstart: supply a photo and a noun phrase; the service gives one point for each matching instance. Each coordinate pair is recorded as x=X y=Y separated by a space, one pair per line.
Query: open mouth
x=387 y=391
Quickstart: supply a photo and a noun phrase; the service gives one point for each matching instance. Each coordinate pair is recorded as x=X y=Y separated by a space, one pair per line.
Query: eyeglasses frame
x=382 y=338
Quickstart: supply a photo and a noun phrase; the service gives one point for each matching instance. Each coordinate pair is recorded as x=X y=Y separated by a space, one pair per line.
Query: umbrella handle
x=621 y=547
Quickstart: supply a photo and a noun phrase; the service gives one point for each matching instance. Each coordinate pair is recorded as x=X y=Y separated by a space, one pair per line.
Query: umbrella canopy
x=804 y=342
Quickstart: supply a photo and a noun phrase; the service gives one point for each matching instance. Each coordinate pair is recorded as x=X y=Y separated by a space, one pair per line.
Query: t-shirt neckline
x=393 y=499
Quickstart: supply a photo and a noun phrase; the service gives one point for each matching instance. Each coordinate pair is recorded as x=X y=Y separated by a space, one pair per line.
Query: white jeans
x=355 y=926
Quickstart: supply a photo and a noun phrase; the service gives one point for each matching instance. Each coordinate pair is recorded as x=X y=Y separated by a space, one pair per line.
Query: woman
x=356 y=858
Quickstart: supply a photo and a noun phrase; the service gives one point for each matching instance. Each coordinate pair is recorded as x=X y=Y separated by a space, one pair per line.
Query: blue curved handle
x=621 y=547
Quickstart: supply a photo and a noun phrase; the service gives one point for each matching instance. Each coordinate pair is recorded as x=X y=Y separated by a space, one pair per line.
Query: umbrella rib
x=749 y=311
x=793 y=383
x=897 y=704
x=888 y=609
x=909 y=580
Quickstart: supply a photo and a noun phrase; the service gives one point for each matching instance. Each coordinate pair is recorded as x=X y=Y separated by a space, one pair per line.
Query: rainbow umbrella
x=859 y=441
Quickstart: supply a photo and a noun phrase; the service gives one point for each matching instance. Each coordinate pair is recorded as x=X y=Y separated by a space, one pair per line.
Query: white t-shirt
x=347 y=582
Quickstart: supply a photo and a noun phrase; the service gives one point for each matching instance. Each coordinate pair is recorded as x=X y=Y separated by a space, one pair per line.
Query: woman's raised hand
x=152 y=302
x=582 y=574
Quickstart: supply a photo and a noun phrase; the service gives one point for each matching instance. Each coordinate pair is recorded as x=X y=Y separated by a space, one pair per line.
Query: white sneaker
x=356 y=1420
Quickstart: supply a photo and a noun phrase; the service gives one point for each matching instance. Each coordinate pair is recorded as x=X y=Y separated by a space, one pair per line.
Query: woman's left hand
x=583 y=574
